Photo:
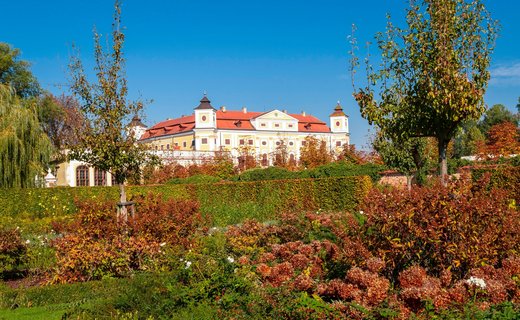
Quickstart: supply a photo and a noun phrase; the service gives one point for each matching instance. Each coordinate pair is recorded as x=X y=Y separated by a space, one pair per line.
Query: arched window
x=100 y=177
x=264 y=160
x=82 y=178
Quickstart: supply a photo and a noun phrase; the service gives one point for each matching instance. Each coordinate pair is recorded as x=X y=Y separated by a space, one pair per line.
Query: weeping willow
x=24 y=147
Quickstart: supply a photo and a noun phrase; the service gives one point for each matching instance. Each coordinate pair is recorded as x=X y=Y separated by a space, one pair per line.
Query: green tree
x=433 y=73
x=495 y=115
x=24 y=147
x=467 y=139
x=16 y=73
x=106 y=144
x=407 y=157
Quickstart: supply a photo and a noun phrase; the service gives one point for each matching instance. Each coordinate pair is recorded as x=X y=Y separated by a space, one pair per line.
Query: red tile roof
x=230 y=120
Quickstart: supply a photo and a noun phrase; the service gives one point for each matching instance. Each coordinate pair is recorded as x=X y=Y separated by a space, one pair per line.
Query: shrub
x=12 y=251
x=96 y=245
x=459 y=227
x=271 y=173
x=503 y=177
x=199 y=178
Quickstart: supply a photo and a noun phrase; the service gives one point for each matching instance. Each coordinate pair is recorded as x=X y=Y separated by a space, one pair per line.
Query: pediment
x=275 y=115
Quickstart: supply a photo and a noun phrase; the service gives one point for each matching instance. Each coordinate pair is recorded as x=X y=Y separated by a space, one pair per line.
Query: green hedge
x=225 y=202
x=334 y=169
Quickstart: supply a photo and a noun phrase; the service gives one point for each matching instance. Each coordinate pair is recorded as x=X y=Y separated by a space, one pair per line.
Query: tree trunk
x=123 y=213
x=443 y=162
x=409 y=182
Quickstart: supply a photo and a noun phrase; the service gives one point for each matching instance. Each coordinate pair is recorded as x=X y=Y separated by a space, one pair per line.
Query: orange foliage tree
x=314 y=153
x=502 y=141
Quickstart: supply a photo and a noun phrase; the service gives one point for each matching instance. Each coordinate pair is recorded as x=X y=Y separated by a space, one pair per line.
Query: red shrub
x=461 y=226
x=96 y=245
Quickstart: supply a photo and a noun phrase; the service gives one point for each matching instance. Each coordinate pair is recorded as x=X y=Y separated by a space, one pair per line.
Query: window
x=204 y=141
x=241 y=142
x=291 y=143
x=184 y=144
x=262 y=124
x=227 y=141
x=338 y=143
x=291 y=158
x=100 y=177
x=250 y=142
x=168 y=146
x=204 y=118
x=162 y=147
x=277 y=143
x=277 y=125
x=290 y=125
x=264 y=160
x=156 y=148
x=264 y=143
x=304 y=143
x=82 y=176
x=337 y=123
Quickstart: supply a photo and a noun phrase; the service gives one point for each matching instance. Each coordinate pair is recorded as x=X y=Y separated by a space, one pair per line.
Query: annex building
x=208 y=130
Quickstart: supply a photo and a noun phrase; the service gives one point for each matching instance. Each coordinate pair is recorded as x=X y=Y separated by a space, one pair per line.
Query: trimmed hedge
x=334 y=169
x=225 y=202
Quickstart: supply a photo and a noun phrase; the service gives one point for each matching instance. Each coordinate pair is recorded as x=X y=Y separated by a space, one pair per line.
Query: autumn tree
x=503 y=141
x=350 y=154
x=246 y=157
x=24 y=147
x=62 y=121
x=105 y=143
x=433 y=73
x=314 y=153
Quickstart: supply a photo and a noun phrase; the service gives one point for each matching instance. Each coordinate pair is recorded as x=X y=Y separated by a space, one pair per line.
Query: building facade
x=208 y=130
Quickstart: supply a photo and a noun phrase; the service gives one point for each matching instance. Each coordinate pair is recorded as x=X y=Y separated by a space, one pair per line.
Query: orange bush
x=459 y=227
x=96 y=245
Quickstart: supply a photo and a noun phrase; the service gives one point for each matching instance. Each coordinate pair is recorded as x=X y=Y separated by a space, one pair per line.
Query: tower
x=205 y=115
x=338 y=120
x=136 y=127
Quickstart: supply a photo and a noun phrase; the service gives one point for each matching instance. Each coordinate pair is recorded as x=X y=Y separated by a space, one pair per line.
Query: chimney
x=223 y=108
x=303 y=113
x=244 y=109
x=284 y=111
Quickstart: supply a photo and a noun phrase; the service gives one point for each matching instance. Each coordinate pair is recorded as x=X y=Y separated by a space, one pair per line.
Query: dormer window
x=238 y=123
x=307 y=126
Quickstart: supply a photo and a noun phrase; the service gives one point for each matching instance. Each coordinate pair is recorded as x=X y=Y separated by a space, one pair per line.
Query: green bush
x=271 y=173
x=334 y=169
x=199 y=178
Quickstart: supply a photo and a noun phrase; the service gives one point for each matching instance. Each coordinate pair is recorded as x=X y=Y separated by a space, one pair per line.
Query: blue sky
x=267 y=54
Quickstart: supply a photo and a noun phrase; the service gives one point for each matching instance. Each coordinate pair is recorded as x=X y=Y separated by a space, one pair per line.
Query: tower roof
x=136 y=122
x=205 y=104
x=338 y=111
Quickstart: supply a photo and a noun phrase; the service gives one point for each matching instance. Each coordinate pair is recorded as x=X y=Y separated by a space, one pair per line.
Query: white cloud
x=506 y=74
